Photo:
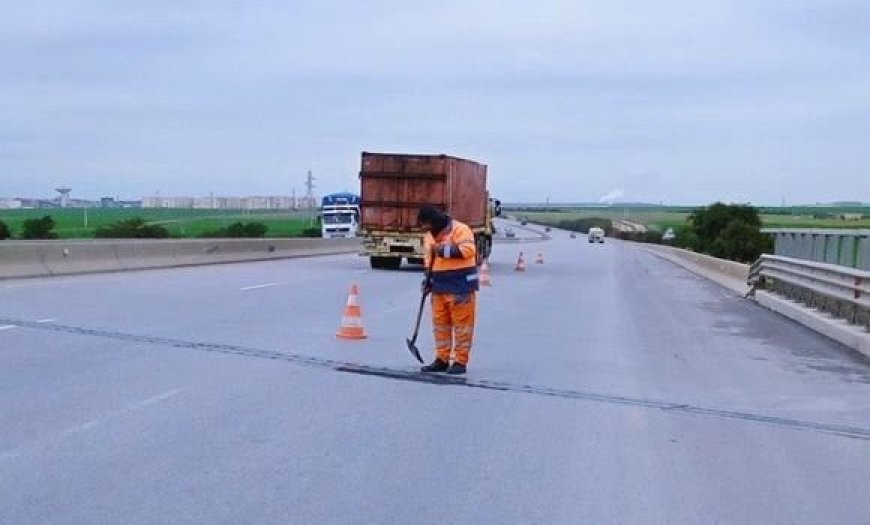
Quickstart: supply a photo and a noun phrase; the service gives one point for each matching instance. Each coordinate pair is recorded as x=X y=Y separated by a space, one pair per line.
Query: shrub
x=648 y=236
x=134 y=228
x=42 y=228
x=239 y=230
x=583 y=225
x=312 y=232
x=251 y=229
x=728 y=231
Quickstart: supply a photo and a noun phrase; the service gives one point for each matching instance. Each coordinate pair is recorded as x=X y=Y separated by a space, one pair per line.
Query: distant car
x=523 y=223
x=573 y=235
x=509 y=233
x=669 y=235
x=547 y=229
x=596 y=235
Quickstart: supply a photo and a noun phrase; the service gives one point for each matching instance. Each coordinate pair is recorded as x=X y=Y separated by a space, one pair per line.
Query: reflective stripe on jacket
x=455 y=264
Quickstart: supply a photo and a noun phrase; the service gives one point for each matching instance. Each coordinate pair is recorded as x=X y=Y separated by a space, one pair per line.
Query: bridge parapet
x=849 y=248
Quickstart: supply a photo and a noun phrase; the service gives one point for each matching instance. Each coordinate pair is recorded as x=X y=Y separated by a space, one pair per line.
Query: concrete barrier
x=824 y=323
x=195 y=253
x=730 y=274
x=142 y=255
x=47 y=258
x=25 y=260
x=79 y=257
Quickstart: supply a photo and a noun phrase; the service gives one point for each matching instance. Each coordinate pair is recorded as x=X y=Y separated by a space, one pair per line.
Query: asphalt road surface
x=606 y=386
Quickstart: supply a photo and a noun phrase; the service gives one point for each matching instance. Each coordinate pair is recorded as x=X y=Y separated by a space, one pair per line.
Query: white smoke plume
x=611 y=196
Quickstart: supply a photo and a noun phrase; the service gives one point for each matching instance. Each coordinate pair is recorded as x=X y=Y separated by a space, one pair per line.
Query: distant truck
x=595 y=234
x=340 y=215
x=394 y=186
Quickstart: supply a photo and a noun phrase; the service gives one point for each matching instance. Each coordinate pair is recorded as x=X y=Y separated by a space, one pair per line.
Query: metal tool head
x=412 y=347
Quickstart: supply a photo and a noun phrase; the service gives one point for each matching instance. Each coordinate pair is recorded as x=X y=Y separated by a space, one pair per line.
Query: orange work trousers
x=453 y=318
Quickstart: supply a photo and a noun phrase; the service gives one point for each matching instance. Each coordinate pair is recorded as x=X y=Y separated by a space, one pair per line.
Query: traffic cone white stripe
x=351 y=321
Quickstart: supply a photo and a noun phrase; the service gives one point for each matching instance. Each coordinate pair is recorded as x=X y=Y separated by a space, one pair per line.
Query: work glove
x=444 y=250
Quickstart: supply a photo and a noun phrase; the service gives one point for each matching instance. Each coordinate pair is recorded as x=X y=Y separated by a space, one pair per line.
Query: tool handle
x=425 y=295
x=419 y=316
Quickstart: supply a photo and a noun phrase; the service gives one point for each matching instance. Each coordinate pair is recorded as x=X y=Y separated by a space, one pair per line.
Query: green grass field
x=192 y=223
x=672 y=217
x=70 y=222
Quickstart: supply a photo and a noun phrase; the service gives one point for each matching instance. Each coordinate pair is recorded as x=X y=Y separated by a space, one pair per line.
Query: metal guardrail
x=841 y=291
x=844 y=247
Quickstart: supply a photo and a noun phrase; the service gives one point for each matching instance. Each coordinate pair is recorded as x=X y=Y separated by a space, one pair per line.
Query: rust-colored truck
x=394 y=186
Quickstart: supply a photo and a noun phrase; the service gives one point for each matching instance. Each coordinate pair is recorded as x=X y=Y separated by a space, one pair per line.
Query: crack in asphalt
x=459 y=382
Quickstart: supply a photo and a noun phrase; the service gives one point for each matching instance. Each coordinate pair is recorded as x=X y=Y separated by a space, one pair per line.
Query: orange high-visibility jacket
x=454 y=269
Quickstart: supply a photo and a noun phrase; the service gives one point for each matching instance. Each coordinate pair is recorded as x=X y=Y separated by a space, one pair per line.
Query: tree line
x=727 y=231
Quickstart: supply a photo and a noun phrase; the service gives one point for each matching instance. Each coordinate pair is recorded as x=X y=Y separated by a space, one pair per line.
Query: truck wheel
x=392 y=263
x=378 y=263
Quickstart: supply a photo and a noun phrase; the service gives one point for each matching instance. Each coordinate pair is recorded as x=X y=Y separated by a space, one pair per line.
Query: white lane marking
x=120 y=412
x=7 y=327
x=258 y=286
x=47 y=320
x=75 y=429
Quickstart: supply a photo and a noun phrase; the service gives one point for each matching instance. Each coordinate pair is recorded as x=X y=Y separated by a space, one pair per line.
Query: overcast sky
x=682 y=101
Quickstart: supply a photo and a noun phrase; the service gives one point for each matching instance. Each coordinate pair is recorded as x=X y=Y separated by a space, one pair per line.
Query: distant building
x=37 y=203
x=205 y=203
x=229 y=203
x=82 y=203
x=111 y=202
x=307 y=202
x=168 y=202
x=269 y=202
x=851 y=216
x=10 y=204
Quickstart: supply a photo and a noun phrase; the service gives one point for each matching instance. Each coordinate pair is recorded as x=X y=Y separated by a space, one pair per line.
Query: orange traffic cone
x=484 y=274
x=521 y=264
x=351 y=323
x=540 y=259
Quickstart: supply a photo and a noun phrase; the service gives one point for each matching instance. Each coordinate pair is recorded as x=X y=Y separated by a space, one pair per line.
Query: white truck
x=339 y=215
x=595 y=235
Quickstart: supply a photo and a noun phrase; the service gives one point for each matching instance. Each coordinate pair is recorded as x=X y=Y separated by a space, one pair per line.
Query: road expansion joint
x=412 y=375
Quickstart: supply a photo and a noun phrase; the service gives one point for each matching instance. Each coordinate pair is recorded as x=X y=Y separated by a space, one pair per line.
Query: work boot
x=456 y=369
x=435 y=366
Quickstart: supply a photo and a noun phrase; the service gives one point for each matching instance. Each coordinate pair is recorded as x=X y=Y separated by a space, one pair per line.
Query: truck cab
x=340 y=216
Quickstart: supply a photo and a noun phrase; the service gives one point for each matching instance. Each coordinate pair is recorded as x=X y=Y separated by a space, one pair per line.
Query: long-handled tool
x=412 y=342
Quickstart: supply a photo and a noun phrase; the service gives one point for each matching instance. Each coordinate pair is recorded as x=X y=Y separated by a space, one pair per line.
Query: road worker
x=451 y=255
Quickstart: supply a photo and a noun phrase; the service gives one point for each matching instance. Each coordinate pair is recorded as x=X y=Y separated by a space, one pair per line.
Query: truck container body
x=394 y=186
